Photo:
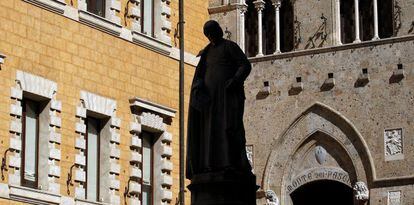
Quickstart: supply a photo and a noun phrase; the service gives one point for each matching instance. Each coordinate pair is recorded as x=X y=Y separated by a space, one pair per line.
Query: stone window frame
x=109 y=185
x=111 y=23
x=49 y=177
x=153 y=118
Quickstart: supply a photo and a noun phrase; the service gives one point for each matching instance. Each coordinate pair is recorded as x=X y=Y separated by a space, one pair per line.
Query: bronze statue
x=216 y=139
x=216 y=144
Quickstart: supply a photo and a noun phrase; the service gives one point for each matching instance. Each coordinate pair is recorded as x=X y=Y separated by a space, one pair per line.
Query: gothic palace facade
x=330 y=103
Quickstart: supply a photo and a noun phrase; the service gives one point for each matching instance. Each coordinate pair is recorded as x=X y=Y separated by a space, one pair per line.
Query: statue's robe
x=216 y=137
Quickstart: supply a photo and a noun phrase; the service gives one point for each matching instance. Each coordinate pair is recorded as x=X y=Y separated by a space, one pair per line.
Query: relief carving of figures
x=271 y=198
x=393 y=142
x=361 y=191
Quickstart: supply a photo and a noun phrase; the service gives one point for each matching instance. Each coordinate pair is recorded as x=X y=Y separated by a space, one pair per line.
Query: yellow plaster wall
x=78 y=57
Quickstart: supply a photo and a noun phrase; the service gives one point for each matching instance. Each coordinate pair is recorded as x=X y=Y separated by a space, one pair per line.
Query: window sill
x=151 y=43
x=86 y=202
x=331 y=49
x=57 y=6
x=32 y=196
x=99 y=23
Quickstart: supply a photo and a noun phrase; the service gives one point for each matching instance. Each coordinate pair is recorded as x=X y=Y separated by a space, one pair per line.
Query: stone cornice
x=222 y=9
x=331 y=49
x=139 y=103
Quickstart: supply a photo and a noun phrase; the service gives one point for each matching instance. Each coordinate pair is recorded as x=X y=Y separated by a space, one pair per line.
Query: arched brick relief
x=319 y=123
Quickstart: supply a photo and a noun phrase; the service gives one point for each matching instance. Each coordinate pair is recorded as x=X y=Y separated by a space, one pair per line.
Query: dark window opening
x=93 y=127
x=385 y=18
x=347 y=21
x=366 y=19
x=286 y=26
x=30 y=138
x=269 y=28
x=147 y=167
x=251 y=26
x=96 y=7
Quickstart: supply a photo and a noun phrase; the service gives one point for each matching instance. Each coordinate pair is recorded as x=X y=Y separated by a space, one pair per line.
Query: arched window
x=347 y=21
x=366 y=19
x=385 y=18
x=251 y=29
x=269 y=28
x=286 y=26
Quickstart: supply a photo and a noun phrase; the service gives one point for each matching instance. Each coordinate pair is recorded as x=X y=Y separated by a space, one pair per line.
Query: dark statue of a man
x=216 y=137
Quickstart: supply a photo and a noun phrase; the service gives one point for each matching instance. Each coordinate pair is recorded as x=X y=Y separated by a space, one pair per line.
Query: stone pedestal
x=223 y=188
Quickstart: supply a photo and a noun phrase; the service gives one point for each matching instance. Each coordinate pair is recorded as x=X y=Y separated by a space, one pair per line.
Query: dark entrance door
x=323 y=192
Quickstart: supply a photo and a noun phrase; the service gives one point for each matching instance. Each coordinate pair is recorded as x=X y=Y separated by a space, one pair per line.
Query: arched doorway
x=323 y=192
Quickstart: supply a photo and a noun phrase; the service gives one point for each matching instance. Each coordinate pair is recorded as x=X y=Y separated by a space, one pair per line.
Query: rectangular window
x=96 y=7
x=30 y=137
x=148 y=17
x=147 y=168
x=92 y=158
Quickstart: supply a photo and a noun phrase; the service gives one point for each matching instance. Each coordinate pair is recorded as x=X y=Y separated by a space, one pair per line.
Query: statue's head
x=213 y=31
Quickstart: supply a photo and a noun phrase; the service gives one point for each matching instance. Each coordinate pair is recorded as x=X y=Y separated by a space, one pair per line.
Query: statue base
x=223 y=188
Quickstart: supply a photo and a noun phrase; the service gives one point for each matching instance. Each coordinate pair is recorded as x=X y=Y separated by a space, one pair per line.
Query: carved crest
x=320 y=154
x=361 y=191
x=271 y=198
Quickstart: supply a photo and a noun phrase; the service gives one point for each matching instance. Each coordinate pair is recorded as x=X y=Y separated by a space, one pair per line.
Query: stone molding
x=57 y=6
x=40 y=86
x=100 y=23
x=109 y=181
x=32 y=196
x=316 y=51
x=151 y=117
x=36 y=84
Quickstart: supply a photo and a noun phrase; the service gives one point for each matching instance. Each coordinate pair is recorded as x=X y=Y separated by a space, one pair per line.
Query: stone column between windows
x=357 y=38
x=242 y=8
x=277 y=16
x=338 y=22
x=260 y=5
x=376 y=35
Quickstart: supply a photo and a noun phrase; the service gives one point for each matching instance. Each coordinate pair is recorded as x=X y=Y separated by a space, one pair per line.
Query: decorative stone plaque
x=394 y=198
x=393 y=144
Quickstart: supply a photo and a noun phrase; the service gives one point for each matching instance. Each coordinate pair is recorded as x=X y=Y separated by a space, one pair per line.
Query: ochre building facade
x=89 y=101
x=329 y=108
